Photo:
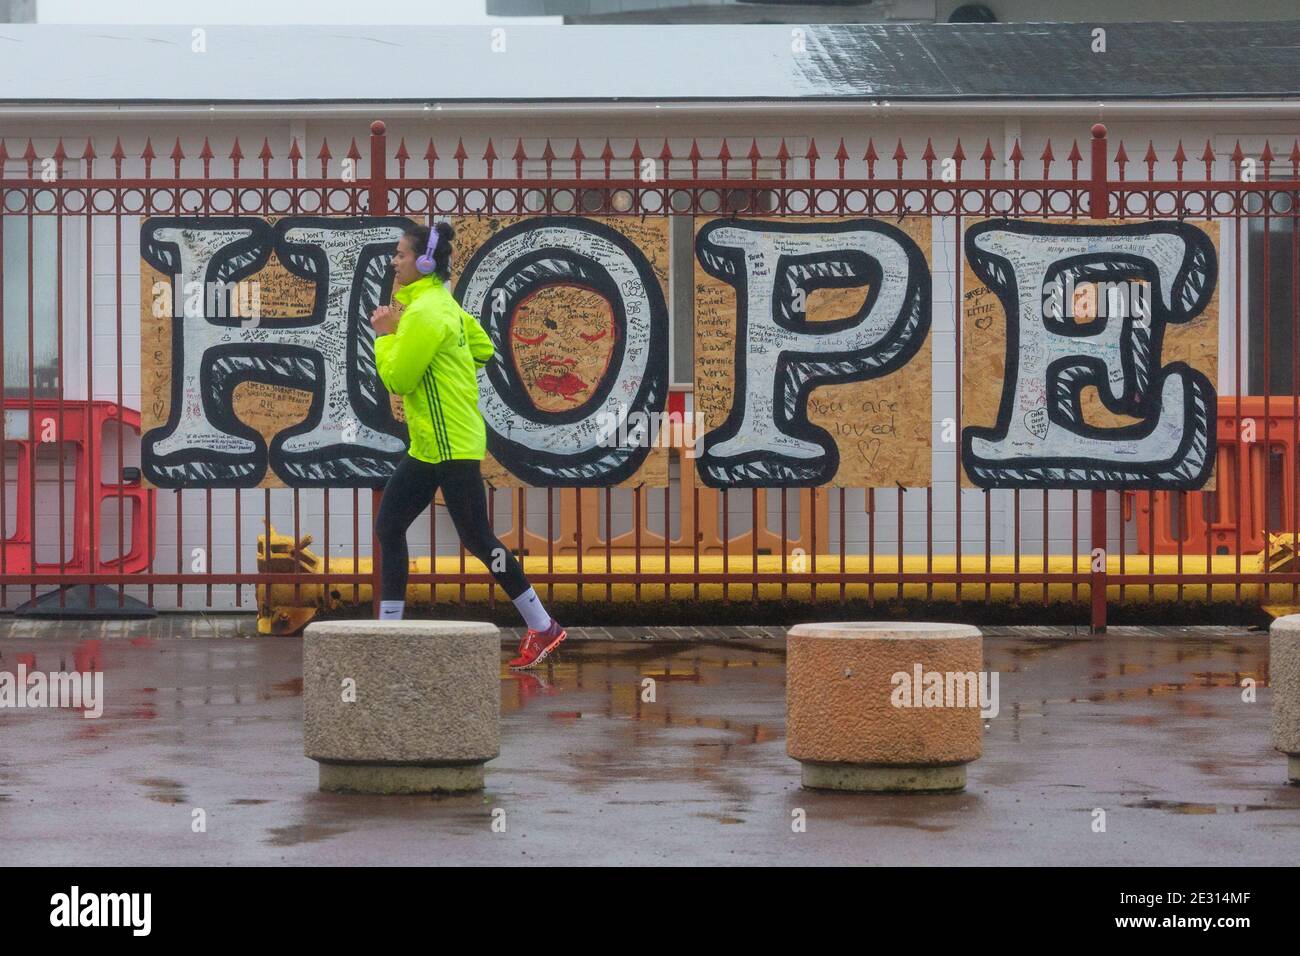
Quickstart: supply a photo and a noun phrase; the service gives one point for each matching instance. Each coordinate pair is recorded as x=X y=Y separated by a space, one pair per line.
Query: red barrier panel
x=30 y=424
x=1255 y=486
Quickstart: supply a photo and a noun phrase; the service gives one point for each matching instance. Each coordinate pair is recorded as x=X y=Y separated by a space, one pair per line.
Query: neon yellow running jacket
x=432 y=361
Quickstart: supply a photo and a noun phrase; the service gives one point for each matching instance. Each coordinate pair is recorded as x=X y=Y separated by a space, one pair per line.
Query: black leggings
x=409 y=491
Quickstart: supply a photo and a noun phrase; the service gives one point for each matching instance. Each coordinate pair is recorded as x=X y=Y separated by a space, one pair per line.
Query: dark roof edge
x=1088 y=101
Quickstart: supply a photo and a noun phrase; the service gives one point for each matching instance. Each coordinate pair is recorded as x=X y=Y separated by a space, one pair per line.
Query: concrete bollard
x=852 y=722
x=425 y=708
x=1284 y=679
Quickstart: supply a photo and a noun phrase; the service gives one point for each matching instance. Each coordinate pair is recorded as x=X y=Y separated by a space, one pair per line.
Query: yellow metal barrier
x=287 y=608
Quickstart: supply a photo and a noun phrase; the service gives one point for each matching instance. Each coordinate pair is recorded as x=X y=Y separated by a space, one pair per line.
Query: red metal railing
x=691 y=183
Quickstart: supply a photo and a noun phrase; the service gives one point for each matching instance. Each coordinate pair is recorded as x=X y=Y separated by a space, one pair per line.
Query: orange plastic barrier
x=30 y=424
x=1255 y=486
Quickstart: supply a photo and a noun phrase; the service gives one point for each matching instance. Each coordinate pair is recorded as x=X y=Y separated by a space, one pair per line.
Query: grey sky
x=203 y=12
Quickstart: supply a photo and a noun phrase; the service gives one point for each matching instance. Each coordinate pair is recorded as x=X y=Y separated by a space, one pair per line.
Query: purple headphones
x=425 y=262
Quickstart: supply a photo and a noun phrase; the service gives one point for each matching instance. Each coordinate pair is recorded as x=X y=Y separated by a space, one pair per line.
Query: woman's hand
x=384 y=319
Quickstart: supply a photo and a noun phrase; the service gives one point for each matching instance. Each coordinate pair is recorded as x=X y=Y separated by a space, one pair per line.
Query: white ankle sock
x=530 y=606
x=391 y=610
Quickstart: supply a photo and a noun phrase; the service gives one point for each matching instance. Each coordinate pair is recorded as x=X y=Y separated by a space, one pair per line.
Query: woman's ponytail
x=442 y=252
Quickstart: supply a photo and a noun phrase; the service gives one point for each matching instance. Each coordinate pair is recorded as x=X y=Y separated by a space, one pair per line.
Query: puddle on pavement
x=301 y=833
x=1028 y=650
x=618 y=675
x=285 y=688
x=718 y=818
x=1203 y=682
x=163 y=790
x=1178 y=806
x=912 y=825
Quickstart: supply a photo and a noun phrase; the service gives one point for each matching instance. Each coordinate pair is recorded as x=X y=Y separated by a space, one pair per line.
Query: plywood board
x=984 y=346
x=880 y=427
x=266 y=408
x=562 y=339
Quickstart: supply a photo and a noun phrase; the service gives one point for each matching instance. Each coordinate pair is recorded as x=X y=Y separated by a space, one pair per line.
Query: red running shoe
x=536 y=645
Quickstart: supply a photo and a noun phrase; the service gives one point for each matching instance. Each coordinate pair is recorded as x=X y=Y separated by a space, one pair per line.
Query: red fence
x=1091 y=182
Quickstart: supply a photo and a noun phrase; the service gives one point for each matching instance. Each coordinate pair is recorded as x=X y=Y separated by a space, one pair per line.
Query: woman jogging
x=429 y=352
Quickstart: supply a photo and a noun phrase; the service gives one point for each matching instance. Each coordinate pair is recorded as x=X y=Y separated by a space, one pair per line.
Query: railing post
x=377 y=205
x=1098 y=208
x=377 y=200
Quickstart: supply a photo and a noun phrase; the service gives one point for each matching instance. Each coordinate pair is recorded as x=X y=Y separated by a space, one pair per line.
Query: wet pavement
x=1151 y=729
